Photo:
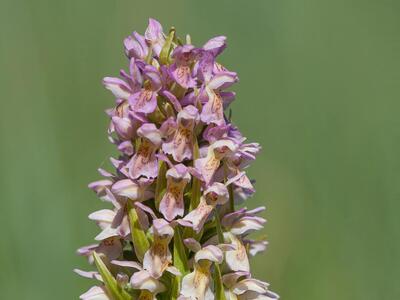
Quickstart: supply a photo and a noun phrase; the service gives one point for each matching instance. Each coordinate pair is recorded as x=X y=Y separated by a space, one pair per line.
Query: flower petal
x=123 y=127
x=211 y=253
x=95 y=293
x=223 y=80
x=237 y=259
x=151 y=133
x=154 y=34
x=192 y=244
x=143 y=281
x=89 y=274
x=217 y=193
x=143 y=101
x=215 y=45
x=118 y=87
x=127 y=188
x=127 y=264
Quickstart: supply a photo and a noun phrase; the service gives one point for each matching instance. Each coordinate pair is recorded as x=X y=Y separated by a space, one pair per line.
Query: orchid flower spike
x=171 y=229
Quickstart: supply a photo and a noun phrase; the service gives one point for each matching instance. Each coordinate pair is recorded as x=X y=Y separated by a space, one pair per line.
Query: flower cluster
x=173 y=231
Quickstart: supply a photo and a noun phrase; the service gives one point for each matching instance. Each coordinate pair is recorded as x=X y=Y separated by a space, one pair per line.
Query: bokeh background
x=319 y=89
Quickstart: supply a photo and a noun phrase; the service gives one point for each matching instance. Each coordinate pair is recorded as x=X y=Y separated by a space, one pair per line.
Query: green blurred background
x=319 y=89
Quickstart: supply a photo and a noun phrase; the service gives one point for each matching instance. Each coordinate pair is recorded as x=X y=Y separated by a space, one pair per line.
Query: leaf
x=166 y=49
x=116 y=292
x=137 y=144
x=230 y=190
x=178 y=90
x=161 y=182
x=180 y=256
x=196 y=185
x=149 y=56
x=140 y=242
x=156 y=116
x=167 y=279
x=231 y=198
x=219 y=286
x=219 y=228
x=180 y=262
x=195 y=195
x=189 y=232
x=175 y=287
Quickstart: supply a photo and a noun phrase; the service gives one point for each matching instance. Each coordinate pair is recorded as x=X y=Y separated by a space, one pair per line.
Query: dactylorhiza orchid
x=172 y=230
